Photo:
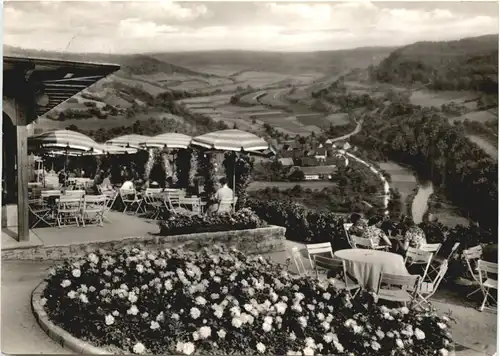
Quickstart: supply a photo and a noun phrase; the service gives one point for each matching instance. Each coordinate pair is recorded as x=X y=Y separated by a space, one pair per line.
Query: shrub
x=220 y=301
x=302 y=224
x=188 y=223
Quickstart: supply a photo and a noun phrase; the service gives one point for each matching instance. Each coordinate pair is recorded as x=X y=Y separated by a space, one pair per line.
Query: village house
x=318 y=172
x=320 y=154
x=287 y=161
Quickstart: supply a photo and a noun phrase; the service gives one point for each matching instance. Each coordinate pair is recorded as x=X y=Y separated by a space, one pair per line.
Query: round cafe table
x=366 y=265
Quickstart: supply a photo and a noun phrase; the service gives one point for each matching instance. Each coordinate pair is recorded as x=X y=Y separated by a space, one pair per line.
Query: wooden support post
x=22 y=183
x=22 y=170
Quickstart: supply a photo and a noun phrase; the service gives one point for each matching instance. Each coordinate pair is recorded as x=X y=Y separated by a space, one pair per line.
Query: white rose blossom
x=109 y=320
x=419 y=334
x=205 y=332
x=139 y=348
x=261 y=347
x=195 y=313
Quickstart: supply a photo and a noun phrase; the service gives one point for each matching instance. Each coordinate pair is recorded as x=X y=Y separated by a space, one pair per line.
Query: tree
x=297 y=176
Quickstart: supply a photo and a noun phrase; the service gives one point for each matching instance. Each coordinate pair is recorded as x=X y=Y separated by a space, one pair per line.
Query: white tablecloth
x=366 y=265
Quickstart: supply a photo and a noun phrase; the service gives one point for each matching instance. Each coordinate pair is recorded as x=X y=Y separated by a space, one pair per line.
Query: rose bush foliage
x=219 y=301
x=309 y=226
x=188 y=223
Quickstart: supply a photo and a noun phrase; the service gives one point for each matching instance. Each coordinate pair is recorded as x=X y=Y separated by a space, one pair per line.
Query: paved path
x=21 y=334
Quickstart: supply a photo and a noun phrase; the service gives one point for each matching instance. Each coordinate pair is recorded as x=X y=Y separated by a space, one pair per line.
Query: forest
x=468 y=64
x=437 y=150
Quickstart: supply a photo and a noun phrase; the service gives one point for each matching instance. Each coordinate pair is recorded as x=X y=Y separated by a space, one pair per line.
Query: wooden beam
x=22 y=172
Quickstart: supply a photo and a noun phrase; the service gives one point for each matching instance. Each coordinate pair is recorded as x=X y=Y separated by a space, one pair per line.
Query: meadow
x=313 y=185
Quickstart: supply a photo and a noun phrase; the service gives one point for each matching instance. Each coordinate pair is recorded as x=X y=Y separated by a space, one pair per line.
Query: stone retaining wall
x=254 y=241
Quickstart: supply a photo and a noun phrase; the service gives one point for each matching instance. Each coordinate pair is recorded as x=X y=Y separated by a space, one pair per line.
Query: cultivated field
x=490 y=149
x=429 y=98
x=337 y=119
x=480 y=116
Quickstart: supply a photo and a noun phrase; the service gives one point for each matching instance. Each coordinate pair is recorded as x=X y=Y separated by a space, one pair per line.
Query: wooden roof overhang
x=56 y=80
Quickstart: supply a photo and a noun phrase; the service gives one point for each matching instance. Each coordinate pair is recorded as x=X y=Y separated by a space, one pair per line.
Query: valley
x=329 y=96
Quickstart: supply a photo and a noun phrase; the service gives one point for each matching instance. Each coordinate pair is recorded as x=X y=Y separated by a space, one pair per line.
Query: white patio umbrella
x=63 y=140
x=117 y=150
x=63 y=143
x=168 y=140
x=233 y=140
x=133 y=141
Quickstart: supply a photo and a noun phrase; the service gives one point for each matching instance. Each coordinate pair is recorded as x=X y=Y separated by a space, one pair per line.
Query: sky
x=166 y=26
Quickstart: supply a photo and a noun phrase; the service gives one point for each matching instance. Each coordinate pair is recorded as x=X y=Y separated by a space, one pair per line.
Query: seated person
x=106 y=183
x=223 y=193
x=358 y=225
x=414 y=237
x=62 y=177
x=128 y=185
x=99 y=177
x=169 y=183
x=375 y=233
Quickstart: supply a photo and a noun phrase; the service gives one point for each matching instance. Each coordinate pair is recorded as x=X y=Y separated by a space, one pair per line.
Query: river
x=419 y=204
x=404 y=180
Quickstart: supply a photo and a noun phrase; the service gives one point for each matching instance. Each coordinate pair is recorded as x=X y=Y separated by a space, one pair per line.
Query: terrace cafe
x=32 y=87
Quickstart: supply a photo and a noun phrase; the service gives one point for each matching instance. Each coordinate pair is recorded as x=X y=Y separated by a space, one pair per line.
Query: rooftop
x=319 y=169
x=58 y=79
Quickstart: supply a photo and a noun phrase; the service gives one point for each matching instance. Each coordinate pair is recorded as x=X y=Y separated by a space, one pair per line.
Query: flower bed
x=188 y=223
x=218 y=301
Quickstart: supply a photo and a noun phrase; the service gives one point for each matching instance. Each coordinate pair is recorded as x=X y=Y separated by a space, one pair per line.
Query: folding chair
x=49 y=196
x=348 y=236
x=433 y=248
x=75 y=193
x=40 y=211
x=94 y=207
x=68 y=208
x=130 y=198
x=173 y=199
x=111 y=196
x=153 y=199
x=235 y=200
x=427 y=289
x=415 y=256
x=486 y=282
x=472 y=256
x=406 y=287
x=362 y=242
x=194 y=203
x=320 y=248
x=438 y=260
x=225 y=206
x=299 y=263
x=336 y=264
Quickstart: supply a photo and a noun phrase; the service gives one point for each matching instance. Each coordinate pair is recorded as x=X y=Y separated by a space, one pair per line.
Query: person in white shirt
x=224 y=193
x=128 y=185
